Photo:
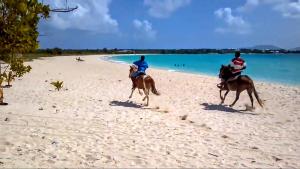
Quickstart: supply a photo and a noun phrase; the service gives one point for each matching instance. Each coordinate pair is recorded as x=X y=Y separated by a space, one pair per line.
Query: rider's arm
x=136 y=63
x=244 y=66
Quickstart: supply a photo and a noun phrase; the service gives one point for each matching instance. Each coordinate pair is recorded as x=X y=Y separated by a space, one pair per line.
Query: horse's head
x=133 y=68
x=225 y=72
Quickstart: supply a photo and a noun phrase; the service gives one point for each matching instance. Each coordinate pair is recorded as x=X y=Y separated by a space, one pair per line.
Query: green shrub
x=18 y=67
x=58 y=85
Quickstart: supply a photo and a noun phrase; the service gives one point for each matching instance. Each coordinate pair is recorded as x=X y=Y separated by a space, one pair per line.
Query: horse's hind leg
x=236 y=98
x=249 y=91
x=146 y=94
x=146 y=91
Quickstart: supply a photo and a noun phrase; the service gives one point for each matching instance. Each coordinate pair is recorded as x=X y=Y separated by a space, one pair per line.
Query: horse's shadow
x=224 y=108
x=125 y=104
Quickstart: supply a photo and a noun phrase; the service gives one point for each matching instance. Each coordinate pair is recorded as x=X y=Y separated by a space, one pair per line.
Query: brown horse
x=239 y=84
x=144 y=82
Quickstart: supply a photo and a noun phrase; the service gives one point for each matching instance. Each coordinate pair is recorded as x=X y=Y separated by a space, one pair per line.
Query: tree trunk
x=1 y=95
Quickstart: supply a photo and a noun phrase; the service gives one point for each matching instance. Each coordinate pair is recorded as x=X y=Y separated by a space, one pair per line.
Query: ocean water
x=278 y=68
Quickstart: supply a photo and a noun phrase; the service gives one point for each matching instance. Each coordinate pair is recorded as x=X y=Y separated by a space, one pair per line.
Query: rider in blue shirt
x=142 y=66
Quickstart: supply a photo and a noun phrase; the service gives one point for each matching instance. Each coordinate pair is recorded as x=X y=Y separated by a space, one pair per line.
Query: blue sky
x=172 y=24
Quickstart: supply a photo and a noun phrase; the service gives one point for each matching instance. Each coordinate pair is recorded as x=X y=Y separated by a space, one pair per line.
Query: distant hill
x=265 y=47
x=295 y=49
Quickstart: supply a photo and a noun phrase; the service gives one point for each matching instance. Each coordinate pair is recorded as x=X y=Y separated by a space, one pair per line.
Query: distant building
x=125 y=51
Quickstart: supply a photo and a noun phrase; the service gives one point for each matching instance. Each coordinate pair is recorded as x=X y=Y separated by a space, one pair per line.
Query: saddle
x=223 y=83
x=140 y=74
x=233 y=78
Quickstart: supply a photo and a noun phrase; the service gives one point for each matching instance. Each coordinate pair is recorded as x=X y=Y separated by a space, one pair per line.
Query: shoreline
x=193 y=72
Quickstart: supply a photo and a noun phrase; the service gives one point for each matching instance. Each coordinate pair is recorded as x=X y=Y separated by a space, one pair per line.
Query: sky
x=172 y=24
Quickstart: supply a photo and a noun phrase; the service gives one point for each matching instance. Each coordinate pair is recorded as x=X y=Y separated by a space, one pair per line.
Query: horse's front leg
x=236 y=97
x=141 y=93
x=221 y=96
x=227 y=91
x=132 y=90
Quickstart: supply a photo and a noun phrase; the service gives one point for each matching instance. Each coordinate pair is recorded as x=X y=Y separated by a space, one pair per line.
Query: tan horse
x=144 y=82
x=240 y=84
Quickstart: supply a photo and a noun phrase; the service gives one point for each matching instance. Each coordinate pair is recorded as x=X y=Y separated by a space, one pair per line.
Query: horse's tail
x=256 y=96
x=153 y=89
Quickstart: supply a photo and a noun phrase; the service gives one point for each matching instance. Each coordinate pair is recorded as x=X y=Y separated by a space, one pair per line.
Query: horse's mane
x=227 y=71
x=133 y=66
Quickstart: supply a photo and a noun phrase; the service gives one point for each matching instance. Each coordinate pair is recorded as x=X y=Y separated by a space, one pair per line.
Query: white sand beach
x=91 y=123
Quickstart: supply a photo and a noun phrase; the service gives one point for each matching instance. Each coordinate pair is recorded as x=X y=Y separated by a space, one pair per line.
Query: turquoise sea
x=278 y=68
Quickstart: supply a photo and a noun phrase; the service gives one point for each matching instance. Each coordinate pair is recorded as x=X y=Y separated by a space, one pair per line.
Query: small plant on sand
x=79 y=59
x=9 y=77
x=58 y=85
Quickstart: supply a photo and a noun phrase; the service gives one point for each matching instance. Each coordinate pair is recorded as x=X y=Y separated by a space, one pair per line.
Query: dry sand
x=91 y=123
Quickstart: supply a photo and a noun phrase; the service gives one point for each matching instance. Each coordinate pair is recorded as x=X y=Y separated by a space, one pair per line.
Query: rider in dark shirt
x=142 y=66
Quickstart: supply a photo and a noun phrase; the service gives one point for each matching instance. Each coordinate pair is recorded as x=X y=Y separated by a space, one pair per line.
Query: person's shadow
x=224 y=108
x=125 y=104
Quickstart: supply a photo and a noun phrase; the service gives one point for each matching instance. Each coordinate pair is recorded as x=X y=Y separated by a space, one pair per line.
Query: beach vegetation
x=18 y=67
x=9 y=77
x=79 y=59
x=58 y=51
x=18 y=26
x=18 y=30
x=57 y=84
x=18 y=34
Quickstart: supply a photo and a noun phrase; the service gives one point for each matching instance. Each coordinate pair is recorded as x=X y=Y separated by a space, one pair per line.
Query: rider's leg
x=134 y=74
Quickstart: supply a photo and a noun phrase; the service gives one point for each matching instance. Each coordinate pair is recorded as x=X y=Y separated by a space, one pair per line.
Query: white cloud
x=164 y=8
x=144 y=29
x=287 y=8
x=91 y=15
x=234 y=24
x=250 y=4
